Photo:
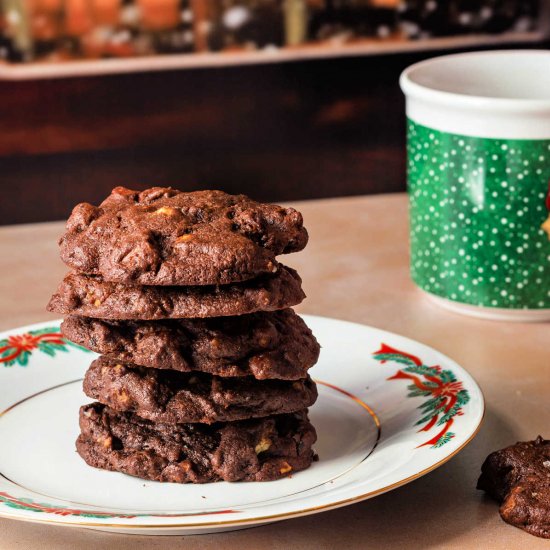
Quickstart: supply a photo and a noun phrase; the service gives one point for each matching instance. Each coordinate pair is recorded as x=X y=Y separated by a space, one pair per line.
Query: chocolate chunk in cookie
x=264 y=345
x=518 y=477
x=93 y=297
x=162 y=236
x=175 y=397
x=251 y=450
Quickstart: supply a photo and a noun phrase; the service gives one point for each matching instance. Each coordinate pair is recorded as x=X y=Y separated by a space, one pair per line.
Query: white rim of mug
x=519 y=105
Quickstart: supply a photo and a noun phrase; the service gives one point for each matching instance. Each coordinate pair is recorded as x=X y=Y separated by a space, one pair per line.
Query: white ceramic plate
x=389 y=410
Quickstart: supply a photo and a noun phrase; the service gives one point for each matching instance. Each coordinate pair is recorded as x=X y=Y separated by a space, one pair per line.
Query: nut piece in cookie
x=518 y=477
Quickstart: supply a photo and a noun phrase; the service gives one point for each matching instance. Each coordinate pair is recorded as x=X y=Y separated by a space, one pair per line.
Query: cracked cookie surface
x=264 y=345
x=518 y=477
x=263 y=449
x=162 y=236
x=91 y=296
x=175 y=397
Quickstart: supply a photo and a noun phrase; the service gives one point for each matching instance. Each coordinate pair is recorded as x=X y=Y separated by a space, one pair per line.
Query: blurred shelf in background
x=90 y=67
x=329 y=123
x=61 y=38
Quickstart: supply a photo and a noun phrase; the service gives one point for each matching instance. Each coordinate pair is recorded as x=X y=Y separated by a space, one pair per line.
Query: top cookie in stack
x=184 y=297
x=166 y=237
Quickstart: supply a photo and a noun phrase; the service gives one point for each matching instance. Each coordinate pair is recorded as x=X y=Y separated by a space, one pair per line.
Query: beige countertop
x=354 y=268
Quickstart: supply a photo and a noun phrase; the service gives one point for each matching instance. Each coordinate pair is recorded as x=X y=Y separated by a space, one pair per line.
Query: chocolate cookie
x=518 y=477
x=162 y=236
x=251 y=450
x=265 y=345
x=92 y=297
x=176 y=397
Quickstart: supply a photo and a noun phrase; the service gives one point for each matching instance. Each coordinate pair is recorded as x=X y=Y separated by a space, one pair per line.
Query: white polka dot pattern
x=476 y=209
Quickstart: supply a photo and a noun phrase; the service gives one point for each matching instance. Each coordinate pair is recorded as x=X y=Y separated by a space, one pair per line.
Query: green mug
x=478 y=170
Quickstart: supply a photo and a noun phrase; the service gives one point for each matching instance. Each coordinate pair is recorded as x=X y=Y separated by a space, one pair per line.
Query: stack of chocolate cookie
x=203 y=373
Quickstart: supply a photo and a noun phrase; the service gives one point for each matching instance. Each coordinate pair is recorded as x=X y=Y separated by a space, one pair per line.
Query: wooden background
x=277 y=132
